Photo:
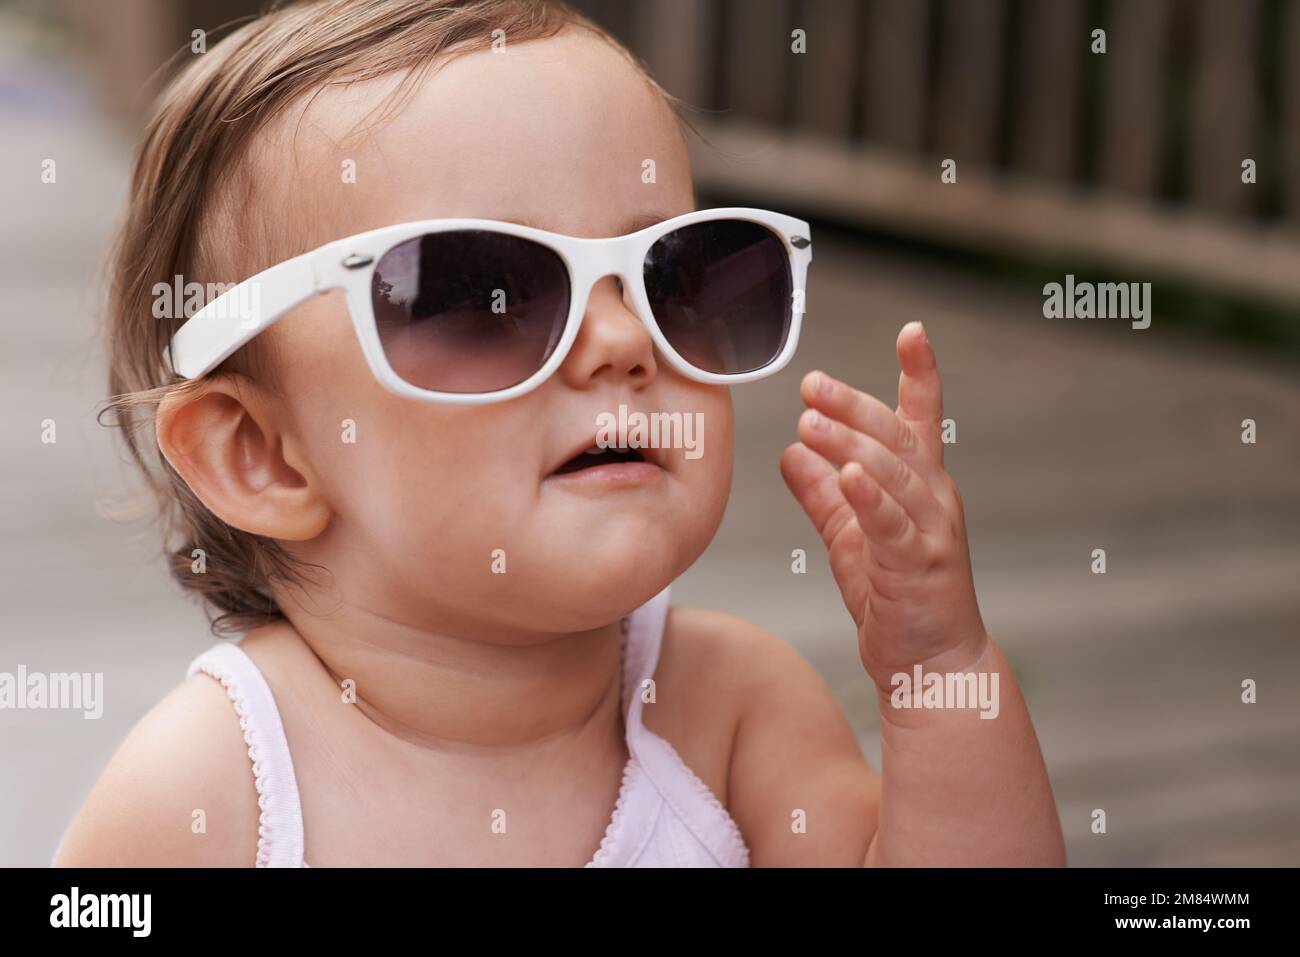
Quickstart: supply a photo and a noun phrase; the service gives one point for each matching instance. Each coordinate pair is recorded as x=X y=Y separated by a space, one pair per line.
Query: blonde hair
x=192 y=155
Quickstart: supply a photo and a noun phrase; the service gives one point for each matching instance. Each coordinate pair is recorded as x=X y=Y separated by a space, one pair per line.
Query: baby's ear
x=224 y=436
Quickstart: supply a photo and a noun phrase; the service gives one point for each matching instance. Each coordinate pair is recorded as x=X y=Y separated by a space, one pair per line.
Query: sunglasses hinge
x=357 y=260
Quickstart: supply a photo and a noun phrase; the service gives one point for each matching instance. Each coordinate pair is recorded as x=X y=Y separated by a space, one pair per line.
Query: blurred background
x=1119 y=166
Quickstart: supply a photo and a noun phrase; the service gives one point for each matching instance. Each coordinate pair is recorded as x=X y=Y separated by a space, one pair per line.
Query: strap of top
x=280 y=826
x=642 y=641
x=279 y=831
x=691 y=799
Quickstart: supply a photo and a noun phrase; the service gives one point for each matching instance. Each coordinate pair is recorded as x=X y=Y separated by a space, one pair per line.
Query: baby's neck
x=445 y=692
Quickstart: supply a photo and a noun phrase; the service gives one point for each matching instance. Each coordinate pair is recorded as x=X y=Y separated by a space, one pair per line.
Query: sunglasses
x=469 y=311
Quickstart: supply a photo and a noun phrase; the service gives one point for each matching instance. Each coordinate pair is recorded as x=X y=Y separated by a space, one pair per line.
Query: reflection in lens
x=721 y=294
x=469 y=311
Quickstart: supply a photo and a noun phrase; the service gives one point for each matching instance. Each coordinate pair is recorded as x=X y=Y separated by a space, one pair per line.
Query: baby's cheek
x=713 y=486
x=706 y=469
x=717 y=450
x=429 y=494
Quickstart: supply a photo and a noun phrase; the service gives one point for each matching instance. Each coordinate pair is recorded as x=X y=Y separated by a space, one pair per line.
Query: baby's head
x=294 y=481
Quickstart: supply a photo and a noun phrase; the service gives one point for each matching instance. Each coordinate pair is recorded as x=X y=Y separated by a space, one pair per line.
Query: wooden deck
x=1074 y=436
x=1071 y=436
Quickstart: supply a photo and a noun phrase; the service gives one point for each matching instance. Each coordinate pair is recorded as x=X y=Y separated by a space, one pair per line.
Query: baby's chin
x=586 y=578
x=607 y=573
x=569 y=562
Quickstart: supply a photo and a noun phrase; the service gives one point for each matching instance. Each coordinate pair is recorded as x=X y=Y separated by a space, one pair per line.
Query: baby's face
x=555 y=134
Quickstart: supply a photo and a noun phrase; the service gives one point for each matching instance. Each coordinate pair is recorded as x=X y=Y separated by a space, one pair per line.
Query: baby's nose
x=613 y=342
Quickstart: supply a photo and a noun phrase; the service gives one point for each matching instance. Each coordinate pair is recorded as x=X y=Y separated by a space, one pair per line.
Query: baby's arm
x=185 y=756
x=957 y=788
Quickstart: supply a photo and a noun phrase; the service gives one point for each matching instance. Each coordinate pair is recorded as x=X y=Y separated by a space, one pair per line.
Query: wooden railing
x=1132 y=156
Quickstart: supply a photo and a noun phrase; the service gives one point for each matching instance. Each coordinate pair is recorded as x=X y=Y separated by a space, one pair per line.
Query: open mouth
x=595 y=457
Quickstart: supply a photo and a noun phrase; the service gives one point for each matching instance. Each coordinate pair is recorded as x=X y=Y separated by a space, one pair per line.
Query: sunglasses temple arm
x=236 y=316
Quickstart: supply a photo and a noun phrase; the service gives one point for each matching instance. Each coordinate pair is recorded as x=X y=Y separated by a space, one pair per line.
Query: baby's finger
x=920 y=393
x=865 y=413
x=841 y=445
x=888 y=528
x=815 y=484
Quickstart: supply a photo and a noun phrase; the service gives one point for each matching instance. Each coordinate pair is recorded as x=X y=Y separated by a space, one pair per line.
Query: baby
x=467 y=237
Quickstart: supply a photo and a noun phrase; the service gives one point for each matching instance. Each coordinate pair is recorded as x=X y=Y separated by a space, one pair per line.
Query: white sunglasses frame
x=224 y=325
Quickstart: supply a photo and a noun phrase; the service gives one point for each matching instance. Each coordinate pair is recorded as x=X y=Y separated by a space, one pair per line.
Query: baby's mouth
x=594 y=457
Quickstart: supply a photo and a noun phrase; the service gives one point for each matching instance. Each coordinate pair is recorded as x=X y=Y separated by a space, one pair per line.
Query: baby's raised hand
x=873 y=483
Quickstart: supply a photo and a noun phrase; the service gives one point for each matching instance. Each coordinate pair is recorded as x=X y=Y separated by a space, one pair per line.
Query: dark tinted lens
x=469 y=310
x=720 y=292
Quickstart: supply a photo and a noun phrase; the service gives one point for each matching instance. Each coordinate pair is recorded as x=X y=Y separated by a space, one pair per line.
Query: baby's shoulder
x=774 y=732
x=178 y=792
x=726 y=657
x=714 y=668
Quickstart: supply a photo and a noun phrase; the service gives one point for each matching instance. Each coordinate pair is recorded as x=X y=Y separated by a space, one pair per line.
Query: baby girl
x=465 y=235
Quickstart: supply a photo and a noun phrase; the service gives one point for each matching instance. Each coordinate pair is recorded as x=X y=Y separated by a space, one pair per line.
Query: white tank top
x=665 y=816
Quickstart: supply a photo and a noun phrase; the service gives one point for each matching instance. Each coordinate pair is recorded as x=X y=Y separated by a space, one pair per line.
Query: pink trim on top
x=279 y=826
